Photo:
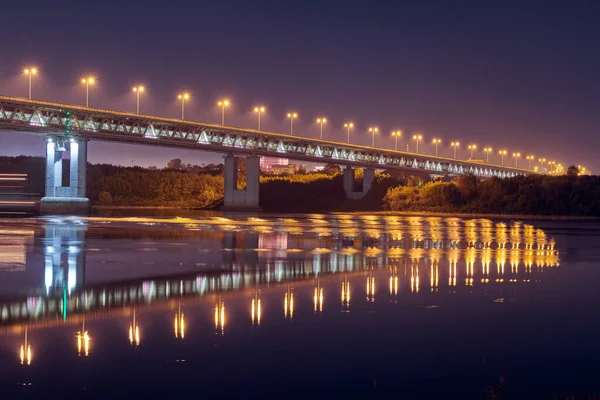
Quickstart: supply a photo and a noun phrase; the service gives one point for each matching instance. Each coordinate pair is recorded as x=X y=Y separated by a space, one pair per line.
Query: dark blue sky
x=511 y=74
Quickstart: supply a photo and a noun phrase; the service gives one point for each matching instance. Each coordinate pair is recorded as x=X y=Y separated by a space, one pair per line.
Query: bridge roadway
x=64 y=124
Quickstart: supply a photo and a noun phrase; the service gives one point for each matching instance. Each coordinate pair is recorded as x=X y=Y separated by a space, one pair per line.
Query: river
x=297 y=306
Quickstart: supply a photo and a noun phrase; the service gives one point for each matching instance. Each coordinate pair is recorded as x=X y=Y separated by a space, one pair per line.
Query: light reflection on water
x=82 y=275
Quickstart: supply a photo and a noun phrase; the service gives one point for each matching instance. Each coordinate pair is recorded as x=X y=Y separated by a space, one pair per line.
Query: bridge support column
x=349 y=189
x=241 y=200
x=59 y=198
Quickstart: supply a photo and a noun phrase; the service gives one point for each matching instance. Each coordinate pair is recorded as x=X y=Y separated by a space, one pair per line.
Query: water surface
x=298 y=306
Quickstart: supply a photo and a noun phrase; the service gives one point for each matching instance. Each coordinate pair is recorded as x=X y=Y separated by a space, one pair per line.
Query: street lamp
x=542 y=161
x=418 y=137
x=373 y=131
x=292 y=116
x=472 y=147
x=487 y=151
x=436 y=142
x=530 y=159
x=396 y=135
x=87 y=82
x=455 y=145
x=502 y=154
x=223 y=103
x=348 y=126
x=183 y=97
x=29 y=72
x=137 y=90
x=259 y=110
x=321 y=121
x=516 y=156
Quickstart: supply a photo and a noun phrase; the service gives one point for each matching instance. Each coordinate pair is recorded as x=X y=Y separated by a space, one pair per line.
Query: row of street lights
x=321 y=121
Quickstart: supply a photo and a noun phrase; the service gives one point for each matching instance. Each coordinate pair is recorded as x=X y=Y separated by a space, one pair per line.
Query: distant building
x=266 y=162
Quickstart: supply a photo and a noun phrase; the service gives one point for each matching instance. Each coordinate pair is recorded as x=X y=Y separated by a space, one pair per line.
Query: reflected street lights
x=436 y=142
x=516 y=156
x=321 y=121
x=455 y=146
x=29 y=72
x=502 y=154
x=348 y=126
x=137 y=90
x=472 y=147
x=259 y=110
x=223 y=103
x=87 y=82
x=487 y=152
x=418 y=137
x=292 y=116
x=373 y=131
x=183 y=97
x=396 y=135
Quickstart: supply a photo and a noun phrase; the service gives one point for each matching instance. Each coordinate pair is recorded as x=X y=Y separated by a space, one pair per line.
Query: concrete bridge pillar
x=59 y=198
x=246 y=199
x=349 y=184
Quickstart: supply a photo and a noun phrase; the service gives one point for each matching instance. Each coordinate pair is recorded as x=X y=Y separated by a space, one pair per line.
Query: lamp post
x=348 y=126
x=542 y=161
x=259 y=110
x=487 y=152
x=292 y=116
x=436 y=142
x=87 y=82
x=223 y=103
x=502 y=154
x=418 y=137
x=516 y=156
x=455 y=146
x=183 y=97
x=396 y=135
x=321 y=121
x=29 y=72
x=472 y=147
x=373 y=131
x=530 y=158
x=137 y=90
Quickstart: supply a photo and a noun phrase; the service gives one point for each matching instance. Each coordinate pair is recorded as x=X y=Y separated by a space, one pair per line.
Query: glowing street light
x=472 y=147
x=29 y=72
x=530 y=158
x=436 y=142
x=455 y=145
x=373 y=130
x=321 y=121
x=542 y=161
x=417 y=137
x=502 y=154
x=259 y=110
x=87 y=82
x=223 y=103
x=83 y=341
x=183 y=97
x=396 y=135
x=348 y=126
x=516 y=156
x=137 y=90
x=487 y=151
x=292 y=116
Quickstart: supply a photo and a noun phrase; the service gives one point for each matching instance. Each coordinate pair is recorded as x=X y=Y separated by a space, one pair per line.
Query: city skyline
x=442 y=102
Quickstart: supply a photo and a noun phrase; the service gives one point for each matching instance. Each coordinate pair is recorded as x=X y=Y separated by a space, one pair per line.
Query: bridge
x=68 y=128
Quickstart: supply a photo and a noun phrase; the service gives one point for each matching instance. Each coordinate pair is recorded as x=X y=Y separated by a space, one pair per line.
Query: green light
x=68 y=122
x=64 y=304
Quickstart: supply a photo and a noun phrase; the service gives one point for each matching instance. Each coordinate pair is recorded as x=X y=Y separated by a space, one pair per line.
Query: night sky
x=504 y=74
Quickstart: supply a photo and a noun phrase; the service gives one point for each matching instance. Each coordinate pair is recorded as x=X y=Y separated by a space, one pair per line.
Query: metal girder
x=45 y=119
